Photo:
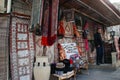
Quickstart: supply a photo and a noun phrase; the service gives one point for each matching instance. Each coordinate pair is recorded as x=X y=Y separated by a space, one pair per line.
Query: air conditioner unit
x=2 y=6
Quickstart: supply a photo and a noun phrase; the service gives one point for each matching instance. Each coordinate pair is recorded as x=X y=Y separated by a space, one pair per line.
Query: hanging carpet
x=21 y=49
x=37 y=10
x=50 y=18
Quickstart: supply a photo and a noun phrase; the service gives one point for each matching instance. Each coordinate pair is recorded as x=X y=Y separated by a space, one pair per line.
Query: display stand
x=68 y=75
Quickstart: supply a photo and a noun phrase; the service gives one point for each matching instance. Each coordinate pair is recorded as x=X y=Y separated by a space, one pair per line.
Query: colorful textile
x=66 y=29
x=21 y=49
x=76 y=31
x=69 y=29
x=62 y=54
x=79 y=50
x=61 y=30
x=86 y=40
x=50 y=19
x=86 y=44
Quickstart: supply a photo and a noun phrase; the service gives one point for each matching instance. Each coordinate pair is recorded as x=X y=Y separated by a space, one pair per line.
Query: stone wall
x=22 y=7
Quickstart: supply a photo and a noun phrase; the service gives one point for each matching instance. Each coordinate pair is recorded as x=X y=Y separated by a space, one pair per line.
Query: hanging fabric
x=36 y=17
x=85 y=35
x=61 y=30
x=21 y=49
x=85 y=30
x=50 y=19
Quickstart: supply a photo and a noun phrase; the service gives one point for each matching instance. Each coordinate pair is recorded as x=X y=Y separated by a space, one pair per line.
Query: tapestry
x=21 y=49
x=50 y=18
x=70 y=49
x=69 y=30
x=66 y=28
x=4 y=35
x=61 y=51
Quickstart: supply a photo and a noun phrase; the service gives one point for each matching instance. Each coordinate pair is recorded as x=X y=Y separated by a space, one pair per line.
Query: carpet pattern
x=21 y=49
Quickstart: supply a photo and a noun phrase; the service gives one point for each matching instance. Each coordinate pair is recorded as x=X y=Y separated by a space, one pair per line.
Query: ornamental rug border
x=21 y=49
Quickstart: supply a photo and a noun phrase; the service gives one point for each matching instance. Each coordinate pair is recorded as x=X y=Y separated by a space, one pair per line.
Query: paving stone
x=100 y=74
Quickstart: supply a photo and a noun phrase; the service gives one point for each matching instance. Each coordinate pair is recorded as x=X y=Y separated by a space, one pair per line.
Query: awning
x=101 y=11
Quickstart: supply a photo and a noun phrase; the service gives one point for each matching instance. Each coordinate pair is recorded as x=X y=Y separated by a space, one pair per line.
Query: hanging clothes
x=50 y=18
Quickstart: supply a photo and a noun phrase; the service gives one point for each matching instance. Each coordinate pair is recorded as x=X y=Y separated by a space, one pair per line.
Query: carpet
x=49 y=25
x=21 y=49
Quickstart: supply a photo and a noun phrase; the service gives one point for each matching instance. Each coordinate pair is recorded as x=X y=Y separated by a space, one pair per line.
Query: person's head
x=99 y=30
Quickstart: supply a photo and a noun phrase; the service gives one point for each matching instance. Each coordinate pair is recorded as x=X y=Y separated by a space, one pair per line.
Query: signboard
x=70 y=49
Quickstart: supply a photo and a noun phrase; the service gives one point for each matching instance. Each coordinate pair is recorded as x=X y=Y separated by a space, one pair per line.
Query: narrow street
x=99 y=74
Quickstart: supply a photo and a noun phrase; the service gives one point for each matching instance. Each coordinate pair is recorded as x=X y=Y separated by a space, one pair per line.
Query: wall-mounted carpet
x=21 y=49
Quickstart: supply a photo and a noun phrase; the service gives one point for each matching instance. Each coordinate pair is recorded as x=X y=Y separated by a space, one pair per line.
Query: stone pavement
x=116 y=74
x=99 y=74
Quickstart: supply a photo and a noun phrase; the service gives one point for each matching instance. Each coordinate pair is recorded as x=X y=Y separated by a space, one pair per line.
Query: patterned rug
x=50 y=18
x=4 y=32
x=21 y=49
